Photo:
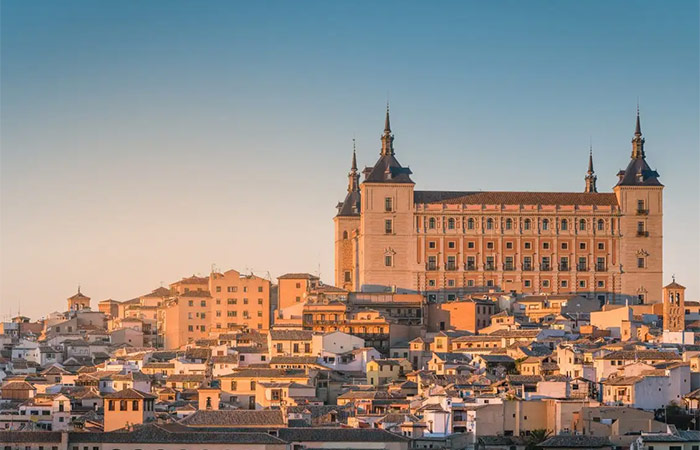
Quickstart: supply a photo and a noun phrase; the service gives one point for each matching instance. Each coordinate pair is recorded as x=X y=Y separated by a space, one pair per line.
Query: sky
x=147 y=141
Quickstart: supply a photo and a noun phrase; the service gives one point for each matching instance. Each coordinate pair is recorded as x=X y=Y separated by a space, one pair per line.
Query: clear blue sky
x=146 y=141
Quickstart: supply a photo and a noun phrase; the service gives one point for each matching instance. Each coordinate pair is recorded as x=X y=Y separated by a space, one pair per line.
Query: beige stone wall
x=346 y=232
x=375 y=244
x=116 y=418
x=646 y=281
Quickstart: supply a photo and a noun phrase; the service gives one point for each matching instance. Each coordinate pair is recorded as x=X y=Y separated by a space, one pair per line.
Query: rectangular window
x=601 y=246
x=388 y=229
x=527 y=245
x=564 y=283
x=471 y=263
x=545 y=245
x=470 y=244
x=527 y=263
x=600 y=264
x=582 y=284
x=509 y=245
x=601 y=284
x=582 y=263
x=451 y=244
x=489 y=245
x=388 y=260
x=347 y=277
x=388 y=204
x=432 y=244
x=545 y=283
x=527 y=283
x=564 y=263
x=470 y=283
x=641 y=263
x=564 y=245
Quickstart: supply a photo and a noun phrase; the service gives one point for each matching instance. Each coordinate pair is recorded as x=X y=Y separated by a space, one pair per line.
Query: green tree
x=536 y=438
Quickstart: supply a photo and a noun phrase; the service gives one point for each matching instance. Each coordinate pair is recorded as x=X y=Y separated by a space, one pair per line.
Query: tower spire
x=387 y=137
x=353 y=176
x=590 y=174
x=638 y=140
x=387 y=126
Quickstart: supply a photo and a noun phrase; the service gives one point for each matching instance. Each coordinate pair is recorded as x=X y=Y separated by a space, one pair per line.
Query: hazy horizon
x=143 y=142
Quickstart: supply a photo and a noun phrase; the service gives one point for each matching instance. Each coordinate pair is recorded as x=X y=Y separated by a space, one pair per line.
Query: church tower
x=674 y=307
x=640 y=196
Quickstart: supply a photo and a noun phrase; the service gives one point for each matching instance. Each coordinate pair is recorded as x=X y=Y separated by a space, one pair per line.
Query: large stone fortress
x=607 y=245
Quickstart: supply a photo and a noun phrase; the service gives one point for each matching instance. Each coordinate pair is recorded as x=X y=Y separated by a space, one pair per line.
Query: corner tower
x=640 y=196
x=387 y=249
x=591 y=178
x=347 y=227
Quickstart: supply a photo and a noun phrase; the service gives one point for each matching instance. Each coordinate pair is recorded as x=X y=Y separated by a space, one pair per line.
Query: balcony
x=545 y=267
x=470 y=266
x=642 y=233
x=642 y=212
x=527 y=267
x=564 y=267
x=601 y=268
x=489 y=266
x=431 y=266
x=582 y=267
x=509 y=267
x=450 y=266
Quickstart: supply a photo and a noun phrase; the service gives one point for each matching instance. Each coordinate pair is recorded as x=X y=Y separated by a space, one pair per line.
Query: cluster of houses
x=334 y=369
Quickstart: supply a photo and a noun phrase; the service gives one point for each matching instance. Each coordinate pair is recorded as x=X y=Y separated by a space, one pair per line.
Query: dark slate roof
x=642 y=355
x=578 y=441
x=235 y=418
x=156 y=433
x=351 y=205
x=339 y=435
x=515 y=198
x=631 y=175
x=388 y=170
x=21 y=437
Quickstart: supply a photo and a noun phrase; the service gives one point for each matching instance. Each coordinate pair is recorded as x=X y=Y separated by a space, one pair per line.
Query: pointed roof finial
x=590 y=160
x=387 y=127
x=638 y=128
x=78 y=289
x=354 y=156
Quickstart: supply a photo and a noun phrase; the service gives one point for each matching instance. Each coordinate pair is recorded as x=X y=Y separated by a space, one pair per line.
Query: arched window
x=470 y=224
x=450 y=224
x=527 y=224
x=509 y=224
x=601 y=225
x=582 y=224
x=431 y=223
x=545 y=224
x=345 y=235
x=564 y=225
x=489 y=224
